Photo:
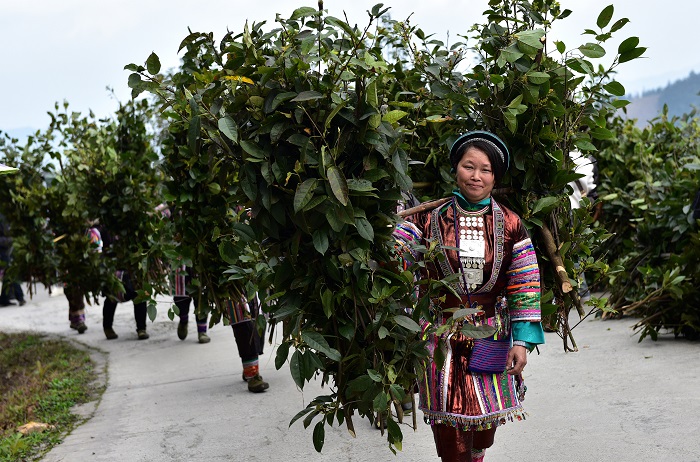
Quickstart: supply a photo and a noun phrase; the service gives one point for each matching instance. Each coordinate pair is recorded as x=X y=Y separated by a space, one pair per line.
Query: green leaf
x=214 y=188
x=615 y=88
x=301 y=414
x=304 y=193
x=482 y=331
x=296 y=369
x=339 y=185
x=619 y=24
x=279 y=99
x=364 y=228
x=361 y=185
x=600 y=133
x=511 y=121
x=319 y=436
x=531 y=38
x=152 y=311
x=371 y=94
x=585 y=145
x=632 y=54
x=516 y=102
x=253 y=149
x=394 y=116
x=134 y=80
x=592 y=50
x=548 y=309
x=394 y=431
x=320 y=239
x=153 y=64
x=193 y=134
x=281 y=355
x=333 y=113
x=439 y=355
x=605 y=16
x=307 y=96
x=229 y=128
x=545 y=203
x=511 y=54
x=228 y=252
x=244 y=231
x=315 y=202
x=303 y=12
x=380 y=402
x=537 y=78
x=342 y=24
x=334 y=220
x=620 y=103
x=628 y=44
x=360 y=384
x=327 y=301
x=316 y=341
x=464 y=312
x=406 y=322
x=374 y=375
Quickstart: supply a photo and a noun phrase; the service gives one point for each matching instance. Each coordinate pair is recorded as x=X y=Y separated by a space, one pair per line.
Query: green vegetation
x=649 y=178
x=42 y=380
x=100 y=172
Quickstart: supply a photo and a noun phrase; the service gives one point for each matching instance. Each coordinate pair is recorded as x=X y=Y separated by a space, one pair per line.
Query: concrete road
x=171 y=400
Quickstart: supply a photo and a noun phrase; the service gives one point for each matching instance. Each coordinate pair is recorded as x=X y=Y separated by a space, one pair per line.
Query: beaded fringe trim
x=476 y=423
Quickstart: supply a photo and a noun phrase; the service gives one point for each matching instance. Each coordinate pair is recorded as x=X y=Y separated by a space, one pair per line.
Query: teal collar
x=465 y=204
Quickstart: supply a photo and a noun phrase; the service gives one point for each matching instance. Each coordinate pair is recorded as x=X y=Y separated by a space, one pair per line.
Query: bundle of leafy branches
x=122 y=189
x=314 y=126
x=44 y=202
x=42 y=380
x=649 y=178
x=83 y=172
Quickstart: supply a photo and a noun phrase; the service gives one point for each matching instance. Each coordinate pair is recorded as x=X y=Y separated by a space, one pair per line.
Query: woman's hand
x=517 y=359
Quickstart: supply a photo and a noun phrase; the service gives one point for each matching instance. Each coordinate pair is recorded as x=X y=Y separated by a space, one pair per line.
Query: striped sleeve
x=407 y=236
x=523 y=288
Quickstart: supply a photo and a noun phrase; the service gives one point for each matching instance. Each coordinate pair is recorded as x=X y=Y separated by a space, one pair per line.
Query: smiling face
x=474 y=175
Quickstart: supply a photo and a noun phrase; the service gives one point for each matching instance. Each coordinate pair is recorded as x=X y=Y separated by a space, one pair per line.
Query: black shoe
x=7 y=303
x=110 y=334
x=182 y=330
x=257 y=384
x=22 y=303
x=80 y=327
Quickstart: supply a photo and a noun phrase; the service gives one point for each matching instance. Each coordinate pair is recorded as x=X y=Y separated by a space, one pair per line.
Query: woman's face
x=474 y=175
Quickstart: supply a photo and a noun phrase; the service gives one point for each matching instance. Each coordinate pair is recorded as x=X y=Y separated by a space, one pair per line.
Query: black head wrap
x=492 y=145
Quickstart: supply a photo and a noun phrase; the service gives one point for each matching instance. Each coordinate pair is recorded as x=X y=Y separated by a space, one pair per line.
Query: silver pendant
x=473 y=276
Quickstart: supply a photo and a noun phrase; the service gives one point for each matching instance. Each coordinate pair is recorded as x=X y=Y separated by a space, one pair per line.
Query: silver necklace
x=472 y=247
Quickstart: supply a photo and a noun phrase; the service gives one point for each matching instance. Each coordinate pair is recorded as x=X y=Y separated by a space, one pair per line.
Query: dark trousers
x=11 y=288
x=110 y=306
x=248 y=340
x=183 y=304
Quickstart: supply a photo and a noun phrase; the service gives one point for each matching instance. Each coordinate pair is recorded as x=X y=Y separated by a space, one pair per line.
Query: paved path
x=171 y=400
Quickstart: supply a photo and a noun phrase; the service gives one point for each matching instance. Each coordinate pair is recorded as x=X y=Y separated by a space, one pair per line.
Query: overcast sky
x=55 y=50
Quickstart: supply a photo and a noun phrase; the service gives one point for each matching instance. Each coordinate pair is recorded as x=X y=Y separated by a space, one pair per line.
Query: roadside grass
x=41 y=380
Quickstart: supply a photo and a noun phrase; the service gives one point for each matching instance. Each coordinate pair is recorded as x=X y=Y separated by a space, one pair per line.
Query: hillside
x=680 y=96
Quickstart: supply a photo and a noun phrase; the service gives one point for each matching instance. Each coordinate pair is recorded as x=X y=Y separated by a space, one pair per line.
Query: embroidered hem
x=474 y=423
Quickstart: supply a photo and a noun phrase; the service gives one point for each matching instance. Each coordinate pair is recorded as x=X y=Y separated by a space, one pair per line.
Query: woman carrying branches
x=478 y=386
